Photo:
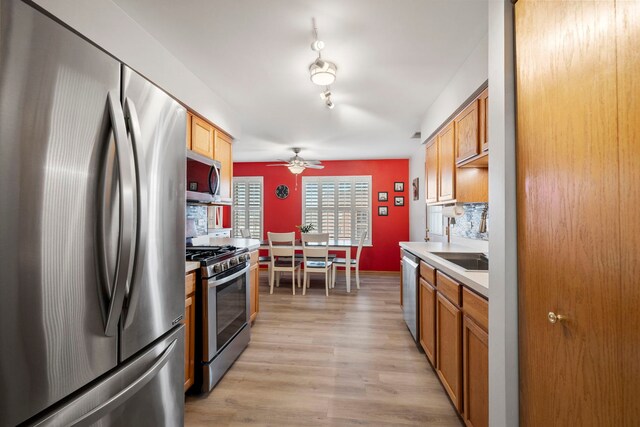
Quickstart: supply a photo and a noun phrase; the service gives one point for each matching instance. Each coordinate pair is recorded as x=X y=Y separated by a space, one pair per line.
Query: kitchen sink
x=470 y=261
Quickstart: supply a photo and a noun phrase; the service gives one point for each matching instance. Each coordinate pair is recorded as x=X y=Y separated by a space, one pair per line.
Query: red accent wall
x=284 y=215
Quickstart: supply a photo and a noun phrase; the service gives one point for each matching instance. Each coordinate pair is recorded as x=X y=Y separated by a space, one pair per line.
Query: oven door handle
x=224 y=280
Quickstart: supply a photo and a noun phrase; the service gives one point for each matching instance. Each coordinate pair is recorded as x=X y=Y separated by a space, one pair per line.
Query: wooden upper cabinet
x=467 y=133
x=447 y=163
x=483 y=116
x=189 y=115
x=431 y=172
x=223 y=154
x=202 y=136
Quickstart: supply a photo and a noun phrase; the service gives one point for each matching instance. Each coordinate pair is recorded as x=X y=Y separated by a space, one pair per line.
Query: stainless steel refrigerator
x=92 y=199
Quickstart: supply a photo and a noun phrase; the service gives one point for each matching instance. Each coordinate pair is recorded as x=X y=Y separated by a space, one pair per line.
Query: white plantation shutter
x=338 y=205
x=247 y=206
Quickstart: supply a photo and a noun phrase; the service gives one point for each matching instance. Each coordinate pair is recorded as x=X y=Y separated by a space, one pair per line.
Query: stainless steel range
x=222 y=310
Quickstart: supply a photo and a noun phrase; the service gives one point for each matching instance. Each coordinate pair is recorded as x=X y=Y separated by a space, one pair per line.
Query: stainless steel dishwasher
x=410 y=264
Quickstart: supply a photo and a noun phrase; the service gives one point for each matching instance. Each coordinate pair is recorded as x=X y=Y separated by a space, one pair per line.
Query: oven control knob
x=217 y=268
x=242 y=258
x=233 y=261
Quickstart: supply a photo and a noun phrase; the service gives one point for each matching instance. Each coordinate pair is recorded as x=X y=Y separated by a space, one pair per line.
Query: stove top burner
x=208 y=254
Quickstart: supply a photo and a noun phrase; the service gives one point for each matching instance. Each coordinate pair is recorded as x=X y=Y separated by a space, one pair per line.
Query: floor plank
x=345 y=360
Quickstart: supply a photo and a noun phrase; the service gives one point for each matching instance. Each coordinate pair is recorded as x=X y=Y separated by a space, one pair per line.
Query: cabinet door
x=431 y=172
x=254 y=304
x=446 y=164
x=449 y=348
x=428 y=320
x=400 y=283
x=475 y=373
x=222 y=153
x=467 y=133
x=189 y=119
x=201 y=137
x=189 y=341
x=483 y=104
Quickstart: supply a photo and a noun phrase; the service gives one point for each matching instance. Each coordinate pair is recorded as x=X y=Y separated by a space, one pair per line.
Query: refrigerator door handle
x=127 y=228
x=131 y=116
x=75 y=412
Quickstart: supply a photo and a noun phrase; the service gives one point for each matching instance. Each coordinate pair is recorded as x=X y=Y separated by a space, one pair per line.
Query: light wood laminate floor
x=344 y=360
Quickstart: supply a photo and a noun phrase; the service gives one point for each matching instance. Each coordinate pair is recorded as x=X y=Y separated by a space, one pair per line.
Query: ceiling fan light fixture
x=323 y=73
x=296 y=169
x=317 y=45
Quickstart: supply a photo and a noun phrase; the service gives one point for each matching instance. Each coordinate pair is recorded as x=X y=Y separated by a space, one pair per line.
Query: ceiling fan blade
x=279 y=164
x=314 y=162
x=314 y=166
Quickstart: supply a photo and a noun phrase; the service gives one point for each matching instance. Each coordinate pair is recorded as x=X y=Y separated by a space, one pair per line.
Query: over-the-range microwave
x=203 y=179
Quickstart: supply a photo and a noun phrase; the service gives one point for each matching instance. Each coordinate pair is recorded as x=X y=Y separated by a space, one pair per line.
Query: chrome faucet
x=483 y=221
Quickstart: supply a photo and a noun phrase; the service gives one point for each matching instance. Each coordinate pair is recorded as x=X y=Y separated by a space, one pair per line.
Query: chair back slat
x=282 y=244
x=315 y=245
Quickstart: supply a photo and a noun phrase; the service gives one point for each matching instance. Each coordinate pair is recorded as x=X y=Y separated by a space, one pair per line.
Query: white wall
x=417 y=208
x=503 y=299
x=470 y=76
x=108 y=26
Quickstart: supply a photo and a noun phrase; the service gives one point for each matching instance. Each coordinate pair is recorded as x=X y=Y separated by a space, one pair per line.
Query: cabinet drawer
x=190 y=284
x=448 y=287
x=476 y=308
x=428 y=273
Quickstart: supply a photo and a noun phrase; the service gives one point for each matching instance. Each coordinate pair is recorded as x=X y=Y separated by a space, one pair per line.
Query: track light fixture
x=321 y=71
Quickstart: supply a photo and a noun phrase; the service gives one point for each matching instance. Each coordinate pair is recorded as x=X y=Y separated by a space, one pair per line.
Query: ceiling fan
x=297 y=164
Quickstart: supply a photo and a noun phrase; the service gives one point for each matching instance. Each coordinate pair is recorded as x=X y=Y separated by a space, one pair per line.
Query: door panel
x=428 y=320
x=431 y=174
x=568 y=223
x=155 y=300
x=628 y=60
x=447 y=164
x=54 y=130
x=449 y=348
x=145 y=391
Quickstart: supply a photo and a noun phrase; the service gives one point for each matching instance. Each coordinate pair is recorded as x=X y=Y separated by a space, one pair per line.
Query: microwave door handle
x=214 y=191
x=127 y=226
x=131 y=116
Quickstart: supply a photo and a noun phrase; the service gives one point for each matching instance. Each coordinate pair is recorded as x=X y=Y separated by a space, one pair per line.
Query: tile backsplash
x=196 y=220
x=468 y=225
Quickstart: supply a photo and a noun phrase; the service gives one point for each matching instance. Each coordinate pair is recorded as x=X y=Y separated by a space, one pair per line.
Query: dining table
x=335 y=245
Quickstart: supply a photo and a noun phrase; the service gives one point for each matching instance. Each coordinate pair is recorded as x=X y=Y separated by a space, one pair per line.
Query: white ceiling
x=394 y=57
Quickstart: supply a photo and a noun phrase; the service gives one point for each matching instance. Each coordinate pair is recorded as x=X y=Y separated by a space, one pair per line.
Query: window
x=247 y=206
x=338 y=205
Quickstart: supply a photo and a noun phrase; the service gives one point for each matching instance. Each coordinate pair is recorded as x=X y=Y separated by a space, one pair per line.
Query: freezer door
x=146 y=391
x=56 y=126
x=157 y=131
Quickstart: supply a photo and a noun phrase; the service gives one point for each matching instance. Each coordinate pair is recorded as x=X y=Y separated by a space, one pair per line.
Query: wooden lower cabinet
x=449 y=348
x=254 y=291
x=475 y=372
x=189 y=322
x=428 y=320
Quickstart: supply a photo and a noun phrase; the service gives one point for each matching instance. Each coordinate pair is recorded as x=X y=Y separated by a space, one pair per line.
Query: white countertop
x=251 y=244
x=476 y=280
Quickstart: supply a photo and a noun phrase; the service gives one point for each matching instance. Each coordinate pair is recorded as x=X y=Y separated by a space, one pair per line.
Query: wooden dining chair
x=315 y=251
x=342 y=262
x=282 y=253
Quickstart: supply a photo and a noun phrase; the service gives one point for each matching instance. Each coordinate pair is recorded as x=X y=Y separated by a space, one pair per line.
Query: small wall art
x=398 y=201
x=383 y=196
x=383 y=211
x=398 y=187
x=416 y=189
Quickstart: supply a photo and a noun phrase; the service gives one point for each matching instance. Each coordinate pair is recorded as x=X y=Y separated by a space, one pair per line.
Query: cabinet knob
x=555 y=318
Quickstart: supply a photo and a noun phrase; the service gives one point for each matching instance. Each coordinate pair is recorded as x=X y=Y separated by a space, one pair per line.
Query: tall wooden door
x=628 y=66
x=569 y=250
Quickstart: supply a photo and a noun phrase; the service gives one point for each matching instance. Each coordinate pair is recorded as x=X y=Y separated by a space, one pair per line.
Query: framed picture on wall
x=398 y=187
x=193 y=186
x=383 y=211
x=416 y=189
x=398 y=201
x=383 y=196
